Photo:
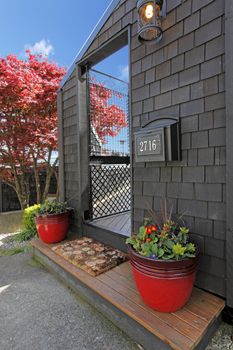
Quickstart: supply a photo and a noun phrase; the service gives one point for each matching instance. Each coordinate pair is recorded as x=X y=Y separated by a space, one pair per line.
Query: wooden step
x=105 y=235
x=114 y=294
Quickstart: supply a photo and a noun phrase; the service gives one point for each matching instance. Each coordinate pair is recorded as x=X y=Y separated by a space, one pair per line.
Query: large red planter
x=52 y=228
x=165 y=286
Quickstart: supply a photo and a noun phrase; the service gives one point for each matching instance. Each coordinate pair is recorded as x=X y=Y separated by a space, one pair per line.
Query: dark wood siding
x=69 y=176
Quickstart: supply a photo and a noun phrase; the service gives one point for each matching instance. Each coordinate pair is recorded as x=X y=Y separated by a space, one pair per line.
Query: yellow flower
x=191 y=247
x=184 y=230
x=178 y=249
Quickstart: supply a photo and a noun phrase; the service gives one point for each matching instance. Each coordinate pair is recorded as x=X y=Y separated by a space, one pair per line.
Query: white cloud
x=124 y=73
x=42 y=47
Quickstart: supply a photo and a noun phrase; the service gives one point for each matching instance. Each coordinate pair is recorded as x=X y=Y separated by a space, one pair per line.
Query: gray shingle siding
x=70 y=145
x=190 y=84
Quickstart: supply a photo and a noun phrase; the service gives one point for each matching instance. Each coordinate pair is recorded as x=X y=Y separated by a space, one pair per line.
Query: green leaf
x=146 y=249
x=154 y=249
x=189 y=255
x=160 y=252
x=180 y=235
x=130 y=240
x=136 y=246
x=168 y=257
x=169 y=244
x=142 y=233
x=142 y=230
x=145 y=246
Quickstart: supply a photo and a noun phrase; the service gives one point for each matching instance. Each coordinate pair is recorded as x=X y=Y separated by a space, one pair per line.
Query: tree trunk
x=20 y=184
x=49 y=174
x=50 y=170
x=23 y=200
x=37 y=181
x=57 y=192
x=25 y=188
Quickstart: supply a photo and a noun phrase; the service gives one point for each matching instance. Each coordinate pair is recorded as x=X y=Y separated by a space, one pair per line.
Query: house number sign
x=149 y=145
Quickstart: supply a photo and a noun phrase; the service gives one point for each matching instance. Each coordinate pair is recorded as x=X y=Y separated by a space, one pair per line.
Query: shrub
x=29 y=227
x=52 y=207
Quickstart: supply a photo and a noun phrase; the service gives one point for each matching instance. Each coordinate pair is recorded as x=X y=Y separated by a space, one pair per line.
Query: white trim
x=90 y=39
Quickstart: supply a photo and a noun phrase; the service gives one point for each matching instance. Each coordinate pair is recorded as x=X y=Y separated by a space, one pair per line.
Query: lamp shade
x=149 y=20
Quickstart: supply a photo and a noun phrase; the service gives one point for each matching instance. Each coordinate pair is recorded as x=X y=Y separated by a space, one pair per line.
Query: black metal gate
x=110 y=191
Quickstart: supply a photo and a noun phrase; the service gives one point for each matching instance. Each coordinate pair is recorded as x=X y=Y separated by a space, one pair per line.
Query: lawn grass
x=11 y=251
x=21 y=236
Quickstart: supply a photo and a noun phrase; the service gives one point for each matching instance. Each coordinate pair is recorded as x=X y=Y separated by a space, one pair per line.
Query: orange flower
x=148 y=230
x=154 y=228
x=148 y=240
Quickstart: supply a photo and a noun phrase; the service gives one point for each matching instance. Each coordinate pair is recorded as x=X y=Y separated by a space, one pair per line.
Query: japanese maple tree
x=28 y=122
x=107 y=118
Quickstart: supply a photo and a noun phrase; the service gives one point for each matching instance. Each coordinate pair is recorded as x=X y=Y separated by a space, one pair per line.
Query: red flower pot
x=165 y=286
x=52 y=228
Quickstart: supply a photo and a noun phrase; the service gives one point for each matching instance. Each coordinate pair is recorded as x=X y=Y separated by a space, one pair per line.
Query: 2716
x=148 y=145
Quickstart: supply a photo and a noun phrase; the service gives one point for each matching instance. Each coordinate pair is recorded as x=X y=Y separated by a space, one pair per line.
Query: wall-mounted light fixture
x=150 y=13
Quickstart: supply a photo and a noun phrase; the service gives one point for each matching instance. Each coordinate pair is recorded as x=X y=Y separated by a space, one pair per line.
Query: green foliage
x=52 y=207
x=166 y=241
x=11 y=251
x=25 y=235
x=29 y=227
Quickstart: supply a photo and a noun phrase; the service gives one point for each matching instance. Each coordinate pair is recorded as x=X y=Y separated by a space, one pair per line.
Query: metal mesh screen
x=108 y=110
x=109 y=145
x=110 y=189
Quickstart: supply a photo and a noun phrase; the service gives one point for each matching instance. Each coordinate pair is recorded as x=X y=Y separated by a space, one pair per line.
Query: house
x=188 y=77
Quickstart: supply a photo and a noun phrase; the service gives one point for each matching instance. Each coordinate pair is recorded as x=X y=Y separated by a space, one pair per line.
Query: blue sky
x=55 y=27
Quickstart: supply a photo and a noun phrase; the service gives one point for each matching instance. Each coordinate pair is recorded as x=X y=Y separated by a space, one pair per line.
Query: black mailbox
x=158 y=142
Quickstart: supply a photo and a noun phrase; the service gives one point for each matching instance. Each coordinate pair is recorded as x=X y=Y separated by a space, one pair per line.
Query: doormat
x=90 y=255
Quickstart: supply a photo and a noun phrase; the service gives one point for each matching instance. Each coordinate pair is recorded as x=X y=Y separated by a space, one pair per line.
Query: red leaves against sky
x=106 y=118
x=28 y=113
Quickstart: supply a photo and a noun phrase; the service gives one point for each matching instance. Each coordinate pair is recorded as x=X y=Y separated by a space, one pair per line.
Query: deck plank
x=193 y=320
x=176 y=323
x=118 y=223
x=122 y=223
x=182 y=330
x=202 y=305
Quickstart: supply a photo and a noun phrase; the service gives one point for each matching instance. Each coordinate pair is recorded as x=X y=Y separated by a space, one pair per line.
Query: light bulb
x=149 y=11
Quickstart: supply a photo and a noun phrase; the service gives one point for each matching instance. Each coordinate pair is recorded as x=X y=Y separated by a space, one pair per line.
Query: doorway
x=109 y=152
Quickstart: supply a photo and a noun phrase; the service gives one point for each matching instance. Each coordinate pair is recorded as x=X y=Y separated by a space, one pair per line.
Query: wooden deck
x=189 y=328
x=117 y=223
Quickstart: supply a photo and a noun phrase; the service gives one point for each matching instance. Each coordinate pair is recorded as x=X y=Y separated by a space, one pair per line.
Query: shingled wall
x=68 y=139
x=182 y=76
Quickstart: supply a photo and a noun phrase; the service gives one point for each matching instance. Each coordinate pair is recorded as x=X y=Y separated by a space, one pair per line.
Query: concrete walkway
x=37 y=312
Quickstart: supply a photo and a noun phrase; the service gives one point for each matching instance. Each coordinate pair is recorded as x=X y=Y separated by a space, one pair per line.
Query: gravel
x=223 y=338
x=40 y=313
x=7 y=242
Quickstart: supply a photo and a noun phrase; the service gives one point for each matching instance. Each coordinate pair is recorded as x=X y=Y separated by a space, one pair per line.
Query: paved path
x=38 y=313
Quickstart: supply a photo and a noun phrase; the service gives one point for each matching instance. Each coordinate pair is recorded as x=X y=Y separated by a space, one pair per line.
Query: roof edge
x=90 y=39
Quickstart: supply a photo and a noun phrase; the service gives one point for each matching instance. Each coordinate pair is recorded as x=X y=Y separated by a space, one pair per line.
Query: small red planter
x=165 y=286
x=52 y=228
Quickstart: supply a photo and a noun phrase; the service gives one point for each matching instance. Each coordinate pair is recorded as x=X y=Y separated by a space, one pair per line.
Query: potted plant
x=164 y=262
x=52 y=221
